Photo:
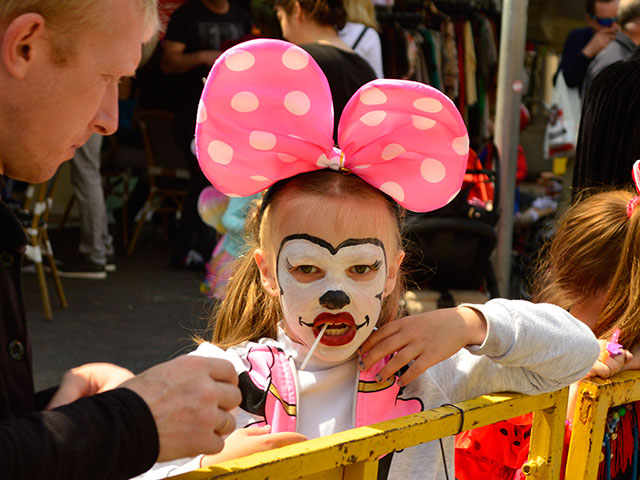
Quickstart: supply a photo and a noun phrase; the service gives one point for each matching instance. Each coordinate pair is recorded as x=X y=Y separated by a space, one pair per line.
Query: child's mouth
x=340 y=330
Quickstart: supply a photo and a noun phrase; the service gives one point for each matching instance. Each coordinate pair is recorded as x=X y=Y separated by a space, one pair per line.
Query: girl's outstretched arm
x=527 y=348
x=422 y=340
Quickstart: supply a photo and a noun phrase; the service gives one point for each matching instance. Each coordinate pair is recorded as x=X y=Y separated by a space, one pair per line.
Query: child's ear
x=267 y=277
x=392 y=277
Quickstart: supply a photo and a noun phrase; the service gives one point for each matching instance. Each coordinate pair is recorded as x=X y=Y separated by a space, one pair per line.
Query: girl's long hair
x=596 y=249
x=248 y=311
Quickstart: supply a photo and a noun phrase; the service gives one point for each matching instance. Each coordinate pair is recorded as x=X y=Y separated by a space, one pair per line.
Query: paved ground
x=142 y=314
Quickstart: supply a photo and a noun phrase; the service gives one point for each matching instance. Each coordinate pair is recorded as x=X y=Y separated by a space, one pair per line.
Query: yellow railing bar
x=595 y=398
x=353 y=454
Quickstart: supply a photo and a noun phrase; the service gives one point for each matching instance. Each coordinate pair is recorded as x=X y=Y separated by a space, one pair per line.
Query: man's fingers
x=72 y=388
x=221 y=370
x=226 y=423
x=228 y=395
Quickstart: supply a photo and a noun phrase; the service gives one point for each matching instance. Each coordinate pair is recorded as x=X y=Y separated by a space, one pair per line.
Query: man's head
x=602 y=14
x=60 y=65
x=629 y=18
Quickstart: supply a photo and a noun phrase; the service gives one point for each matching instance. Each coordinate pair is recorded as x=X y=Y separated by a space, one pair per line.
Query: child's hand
x=606 y=366
x=246 y=441
x=424 y=339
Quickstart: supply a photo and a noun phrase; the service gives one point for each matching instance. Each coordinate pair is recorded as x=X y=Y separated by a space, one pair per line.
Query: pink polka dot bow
x=266 y=115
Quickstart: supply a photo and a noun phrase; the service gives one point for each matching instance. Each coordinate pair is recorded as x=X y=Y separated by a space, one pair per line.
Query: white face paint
x=341 y=285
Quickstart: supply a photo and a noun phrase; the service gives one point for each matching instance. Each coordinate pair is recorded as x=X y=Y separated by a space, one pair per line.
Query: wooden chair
x=34 y=217
x=166 y=168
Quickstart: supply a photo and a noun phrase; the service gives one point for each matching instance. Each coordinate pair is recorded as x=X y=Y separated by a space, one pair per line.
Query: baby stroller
x=450 y=248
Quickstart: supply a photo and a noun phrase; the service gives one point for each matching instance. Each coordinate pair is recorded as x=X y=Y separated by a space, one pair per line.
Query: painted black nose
x=334 y=299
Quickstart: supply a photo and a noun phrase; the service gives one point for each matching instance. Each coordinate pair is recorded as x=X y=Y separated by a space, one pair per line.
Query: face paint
x=342 y=286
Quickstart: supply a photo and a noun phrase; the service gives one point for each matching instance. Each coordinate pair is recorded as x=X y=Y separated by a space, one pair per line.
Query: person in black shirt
x=59 y=76
x=198 y=32
x=314 y=25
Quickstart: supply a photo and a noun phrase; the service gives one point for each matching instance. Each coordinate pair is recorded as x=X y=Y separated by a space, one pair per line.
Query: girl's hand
x=246 y=441
x=606 y=366
x=424 y=339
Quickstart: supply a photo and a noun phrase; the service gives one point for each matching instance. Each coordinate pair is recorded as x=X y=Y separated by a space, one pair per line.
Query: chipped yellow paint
x=353 y=454
x=595 y=398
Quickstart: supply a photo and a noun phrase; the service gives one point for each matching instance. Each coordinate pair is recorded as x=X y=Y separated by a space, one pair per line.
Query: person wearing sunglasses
x=623 y=44
x=583 y=44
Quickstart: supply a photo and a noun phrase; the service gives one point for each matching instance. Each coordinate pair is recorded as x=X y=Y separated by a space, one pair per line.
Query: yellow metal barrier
x=354 y=454
x=595 y=398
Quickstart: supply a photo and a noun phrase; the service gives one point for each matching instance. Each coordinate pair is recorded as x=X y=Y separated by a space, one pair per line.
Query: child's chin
x=335 y=354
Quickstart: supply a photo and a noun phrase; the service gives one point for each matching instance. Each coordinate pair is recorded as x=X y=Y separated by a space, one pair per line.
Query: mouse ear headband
x=635 y=174
x=266 y=115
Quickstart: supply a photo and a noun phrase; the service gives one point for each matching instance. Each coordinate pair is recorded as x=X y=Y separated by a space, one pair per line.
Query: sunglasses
x=605 y=21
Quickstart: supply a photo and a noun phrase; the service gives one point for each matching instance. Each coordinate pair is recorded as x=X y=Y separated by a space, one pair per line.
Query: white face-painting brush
x=313 y=347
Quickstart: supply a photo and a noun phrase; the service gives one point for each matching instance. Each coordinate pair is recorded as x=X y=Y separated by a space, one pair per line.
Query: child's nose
x=334 y=299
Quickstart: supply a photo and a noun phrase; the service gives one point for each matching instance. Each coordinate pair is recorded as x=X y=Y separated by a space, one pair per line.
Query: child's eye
x=307 y=269
x=361 y=269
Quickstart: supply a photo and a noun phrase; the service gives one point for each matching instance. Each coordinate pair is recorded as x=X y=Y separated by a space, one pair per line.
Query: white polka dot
x=202 y=113
x=432 y=170
x=285 y=157
x=295 y=58
x=323 y=161
x=422 y=123
x=239 y=61
x=461 y=145
x=373 y=96
x=262 y=140
x=220 y=152
x=258 y=178
x=361 y=167
x=233 y=195
x=392 y=150
x=373 y=118
x=297 y=102
x=453 y=196
x=429 y=105
x=244 y=102
x=394 y=190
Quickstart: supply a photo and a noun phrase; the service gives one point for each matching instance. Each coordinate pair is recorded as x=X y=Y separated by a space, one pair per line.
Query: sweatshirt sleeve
x=107 y=436
x=529 y=348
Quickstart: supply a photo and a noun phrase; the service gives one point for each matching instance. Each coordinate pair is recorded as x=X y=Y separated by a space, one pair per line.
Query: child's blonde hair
x=596 y=249
x=248 y=311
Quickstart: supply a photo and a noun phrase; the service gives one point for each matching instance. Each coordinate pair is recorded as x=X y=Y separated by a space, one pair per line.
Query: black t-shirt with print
x=200 y=29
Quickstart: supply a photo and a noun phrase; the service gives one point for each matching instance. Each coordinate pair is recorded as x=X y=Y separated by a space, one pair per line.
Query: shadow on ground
x=142 y=314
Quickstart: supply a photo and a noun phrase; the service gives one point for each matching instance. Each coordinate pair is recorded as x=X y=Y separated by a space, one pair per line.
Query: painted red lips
x=341 y=329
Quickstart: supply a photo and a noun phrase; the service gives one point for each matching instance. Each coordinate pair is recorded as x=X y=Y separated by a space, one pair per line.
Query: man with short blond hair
x=60 y=65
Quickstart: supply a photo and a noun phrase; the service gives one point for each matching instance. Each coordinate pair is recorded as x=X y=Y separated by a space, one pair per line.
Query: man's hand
x=599 y=41
x=246 y=441
x=190 y=398
x=86 y=380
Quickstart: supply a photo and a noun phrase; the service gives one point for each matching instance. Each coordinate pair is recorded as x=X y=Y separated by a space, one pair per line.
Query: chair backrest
x=164 y=157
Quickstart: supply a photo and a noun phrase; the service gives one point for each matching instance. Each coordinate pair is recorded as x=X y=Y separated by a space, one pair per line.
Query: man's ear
x=20 y=42
x=267 y=277
x=392 y=277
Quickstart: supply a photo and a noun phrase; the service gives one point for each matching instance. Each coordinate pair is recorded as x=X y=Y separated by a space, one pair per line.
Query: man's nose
x=334 y=299
x=105 y=121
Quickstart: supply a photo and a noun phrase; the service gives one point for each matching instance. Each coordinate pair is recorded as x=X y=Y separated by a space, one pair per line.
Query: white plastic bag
x=561 y=134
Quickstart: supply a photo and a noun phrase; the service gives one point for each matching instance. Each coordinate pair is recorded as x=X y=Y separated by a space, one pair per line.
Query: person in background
x=609 y=135
x=60 y=66
x=314 y=25
x=583 y=44
x=361 y=33
x=623 y=44
x=197 y=33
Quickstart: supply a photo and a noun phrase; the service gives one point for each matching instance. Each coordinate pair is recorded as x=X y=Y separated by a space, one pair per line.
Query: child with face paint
x=310 y=316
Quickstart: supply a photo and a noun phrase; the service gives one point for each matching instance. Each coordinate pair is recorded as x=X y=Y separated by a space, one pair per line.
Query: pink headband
x=635 y=173
x=266 y=115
